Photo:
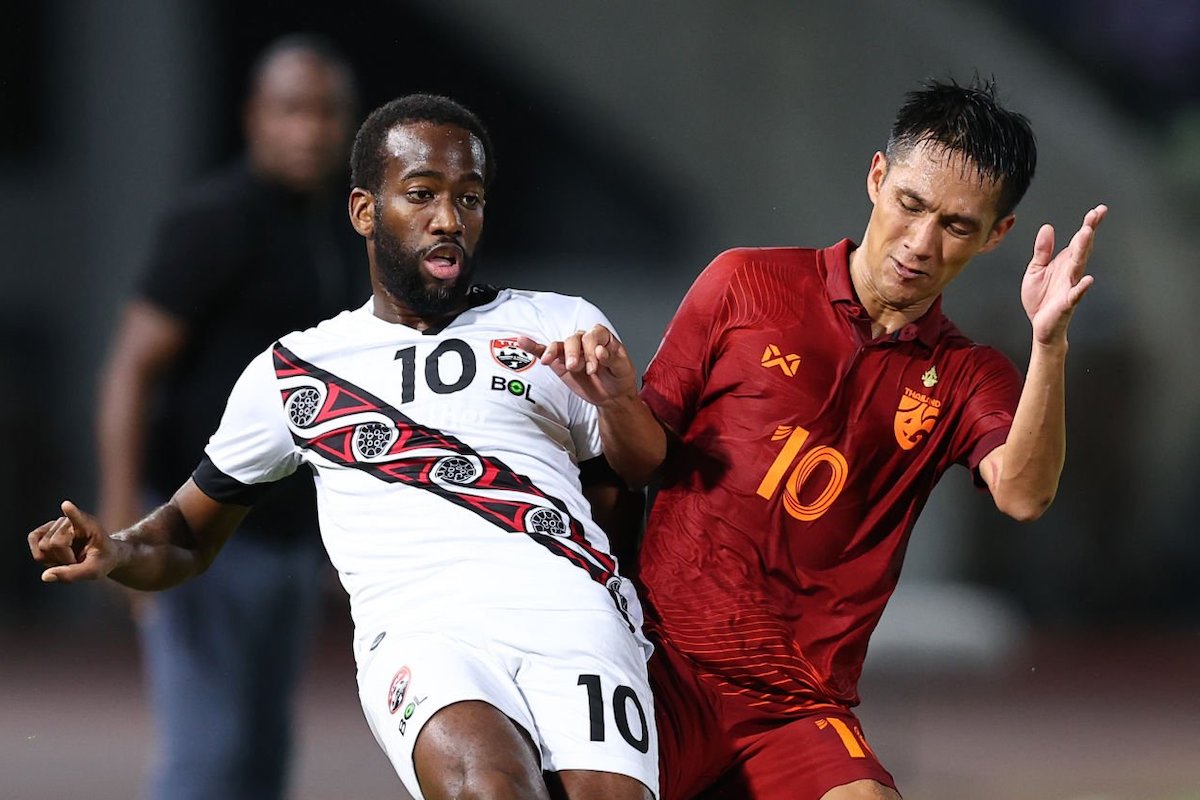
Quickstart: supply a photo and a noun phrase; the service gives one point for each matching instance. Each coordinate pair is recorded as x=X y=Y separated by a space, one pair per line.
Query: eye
x=470 y=200
x=418 y=195
x=908 y=204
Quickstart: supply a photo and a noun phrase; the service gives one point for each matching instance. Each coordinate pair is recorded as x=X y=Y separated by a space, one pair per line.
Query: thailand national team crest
x=398 y=688
x=916 y=416
x=508 y=354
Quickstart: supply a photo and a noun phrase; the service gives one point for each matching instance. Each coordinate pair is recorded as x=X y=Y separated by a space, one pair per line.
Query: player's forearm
x=159 y=552
x=1036 y=448
x=635 y=442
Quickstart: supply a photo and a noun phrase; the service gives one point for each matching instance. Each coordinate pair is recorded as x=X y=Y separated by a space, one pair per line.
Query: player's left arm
x=1023 y=473
x=616 y=508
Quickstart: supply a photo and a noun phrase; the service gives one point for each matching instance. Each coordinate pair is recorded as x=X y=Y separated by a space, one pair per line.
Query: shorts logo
x=398 y=688
x=508 y=354
x=774 y=357
x=915 y=417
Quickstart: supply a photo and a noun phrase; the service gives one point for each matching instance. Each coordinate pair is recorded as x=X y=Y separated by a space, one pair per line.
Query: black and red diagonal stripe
x=402 y=466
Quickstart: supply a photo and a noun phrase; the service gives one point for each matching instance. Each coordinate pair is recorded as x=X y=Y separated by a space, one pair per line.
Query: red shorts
x=717 y=747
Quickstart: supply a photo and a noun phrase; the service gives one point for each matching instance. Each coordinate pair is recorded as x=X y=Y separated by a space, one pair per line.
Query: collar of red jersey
x=836 y=263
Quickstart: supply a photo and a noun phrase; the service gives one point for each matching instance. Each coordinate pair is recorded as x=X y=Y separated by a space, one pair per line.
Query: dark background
x=635 y=141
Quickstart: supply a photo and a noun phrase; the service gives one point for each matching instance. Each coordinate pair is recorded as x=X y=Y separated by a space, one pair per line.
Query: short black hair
x=368 y=158
x=313 y=44
x=969 y=120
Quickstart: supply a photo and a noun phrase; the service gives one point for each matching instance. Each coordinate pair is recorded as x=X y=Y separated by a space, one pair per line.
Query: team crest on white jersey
x=508 y=354
x=398 y=688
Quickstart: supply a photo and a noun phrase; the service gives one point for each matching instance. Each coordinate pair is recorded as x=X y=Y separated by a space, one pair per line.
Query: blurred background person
x=259 y=249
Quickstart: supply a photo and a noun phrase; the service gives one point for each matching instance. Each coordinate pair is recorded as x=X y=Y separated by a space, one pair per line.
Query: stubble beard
x=399 y=270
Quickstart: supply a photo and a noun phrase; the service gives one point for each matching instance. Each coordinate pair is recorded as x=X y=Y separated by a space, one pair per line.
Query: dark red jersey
x=809 y=449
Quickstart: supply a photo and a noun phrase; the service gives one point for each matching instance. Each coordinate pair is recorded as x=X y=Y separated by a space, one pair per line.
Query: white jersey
x=446 y=463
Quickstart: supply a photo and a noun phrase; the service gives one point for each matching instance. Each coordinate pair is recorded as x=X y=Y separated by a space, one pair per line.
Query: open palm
x=1054 y=284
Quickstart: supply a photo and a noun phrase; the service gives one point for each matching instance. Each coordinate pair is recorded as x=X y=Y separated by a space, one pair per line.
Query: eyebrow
x=433 y=173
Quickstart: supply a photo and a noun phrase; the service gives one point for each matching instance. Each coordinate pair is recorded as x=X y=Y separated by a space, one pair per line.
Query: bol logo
x=915 y=417
x=514 y=387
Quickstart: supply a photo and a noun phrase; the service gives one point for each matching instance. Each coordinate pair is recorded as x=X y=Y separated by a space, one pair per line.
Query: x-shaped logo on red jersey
x=774 y=357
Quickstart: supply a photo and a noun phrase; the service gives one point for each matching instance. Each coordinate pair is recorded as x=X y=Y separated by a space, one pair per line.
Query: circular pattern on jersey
x=303 y=406
x=545 y=520
x=456 y=469
x=372 y=439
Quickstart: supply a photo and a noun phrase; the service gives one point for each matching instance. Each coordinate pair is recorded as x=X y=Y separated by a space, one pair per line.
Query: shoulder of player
x=762 y=259
x=541 y=298
x=556 y=308
x=968 y=357
x=757 y=265
x=331 y=332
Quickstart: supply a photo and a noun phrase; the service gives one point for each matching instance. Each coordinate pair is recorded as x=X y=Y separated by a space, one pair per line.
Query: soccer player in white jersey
x=499 y=651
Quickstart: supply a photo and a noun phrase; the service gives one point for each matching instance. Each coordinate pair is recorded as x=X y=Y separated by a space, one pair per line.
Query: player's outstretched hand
x=594 y=364
x=1053 y=287
x=74 y=547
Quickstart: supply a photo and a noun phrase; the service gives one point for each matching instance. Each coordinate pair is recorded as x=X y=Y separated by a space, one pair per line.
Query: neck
x=886 y=318
x=390 y=309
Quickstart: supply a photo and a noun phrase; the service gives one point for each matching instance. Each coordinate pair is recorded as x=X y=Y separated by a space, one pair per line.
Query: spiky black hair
x=968 y=120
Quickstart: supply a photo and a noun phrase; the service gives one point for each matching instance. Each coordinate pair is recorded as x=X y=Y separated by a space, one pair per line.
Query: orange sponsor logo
x=915 y=417
x=774 y=357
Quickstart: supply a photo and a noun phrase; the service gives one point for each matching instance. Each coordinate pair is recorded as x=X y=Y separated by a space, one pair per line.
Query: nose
x=446 y=220
x=921 y=237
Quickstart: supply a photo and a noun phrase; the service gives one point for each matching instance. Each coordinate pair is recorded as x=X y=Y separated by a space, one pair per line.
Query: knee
x=489 y=784
x=862 y=790
x=472 y=750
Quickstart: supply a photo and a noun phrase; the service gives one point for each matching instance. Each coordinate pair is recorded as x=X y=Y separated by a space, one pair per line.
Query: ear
x=362 y=212
x=998 y=232
x=875 y=175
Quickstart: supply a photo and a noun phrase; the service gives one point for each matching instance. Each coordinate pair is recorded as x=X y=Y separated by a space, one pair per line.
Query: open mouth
x=444 y=262
x=906 y=272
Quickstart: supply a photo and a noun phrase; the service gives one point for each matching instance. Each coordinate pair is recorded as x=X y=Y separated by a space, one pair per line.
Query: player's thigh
x=695 y=745
x=471 y=749
x=591 y=785
x=862 y=790
x=463 y=697
x=590 y=696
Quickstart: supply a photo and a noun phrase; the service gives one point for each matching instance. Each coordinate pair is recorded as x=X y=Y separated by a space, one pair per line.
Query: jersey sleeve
x=676 y=375
x=988 y=414
x=252 y=447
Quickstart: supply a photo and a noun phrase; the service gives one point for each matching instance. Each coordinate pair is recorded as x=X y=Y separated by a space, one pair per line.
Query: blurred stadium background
x=636 y=140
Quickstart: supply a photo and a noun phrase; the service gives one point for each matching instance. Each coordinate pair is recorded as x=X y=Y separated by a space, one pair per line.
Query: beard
x=399 y=270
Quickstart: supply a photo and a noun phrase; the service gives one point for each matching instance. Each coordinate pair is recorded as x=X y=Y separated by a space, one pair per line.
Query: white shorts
x=574 y=680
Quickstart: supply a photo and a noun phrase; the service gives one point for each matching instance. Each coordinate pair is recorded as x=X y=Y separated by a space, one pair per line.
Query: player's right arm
x=596 y=366
x=175 y=542
x=640 y=430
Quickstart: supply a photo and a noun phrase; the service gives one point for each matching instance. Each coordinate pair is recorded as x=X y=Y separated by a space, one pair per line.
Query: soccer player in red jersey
x=800 y=410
